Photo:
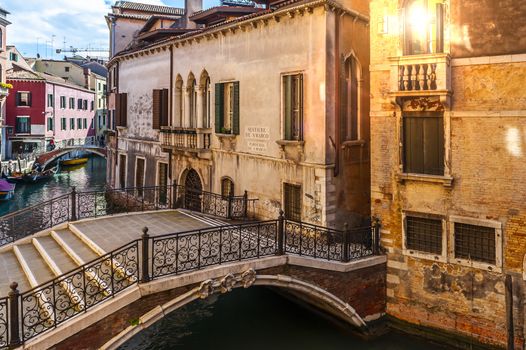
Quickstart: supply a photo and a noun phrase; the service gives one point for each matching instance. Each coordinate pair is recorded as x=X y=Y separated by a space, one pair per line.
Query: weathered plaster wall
x=487 y=27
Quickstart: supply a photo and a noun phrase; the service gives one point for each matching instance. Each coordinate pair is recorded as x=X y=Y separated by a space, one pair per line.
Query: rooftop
x=152 y=9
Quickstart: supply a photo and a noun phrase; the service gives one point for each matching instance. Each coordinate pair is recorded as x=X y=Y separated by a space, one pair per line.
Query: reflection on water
x=257 y=318
x=89 y=176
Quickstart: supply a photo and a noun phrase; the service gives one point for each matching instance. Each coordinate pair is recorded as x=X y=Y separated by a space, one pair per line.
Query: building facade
x=4 y=90
x=45 y=111
x=241 y=105
x=448 y=133
x=82 y=76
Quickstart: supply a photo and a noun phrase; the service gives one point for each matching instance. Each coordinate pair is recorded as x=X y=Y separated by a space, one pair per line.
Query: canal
x=255 y=318
x=258 y=318
x=89 y=176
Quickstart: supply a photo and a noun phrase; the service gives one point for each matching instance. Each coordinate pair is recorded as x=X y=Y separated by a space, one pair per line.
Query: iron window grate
x=475 y=243
x=424 y=234
x=292 y=202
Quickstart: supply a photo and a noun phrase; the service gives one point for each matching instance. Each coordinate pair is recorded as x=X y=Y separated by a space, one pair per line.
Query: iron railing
x=35 y=218
x=23 y=316
x=91 y=204
x=228 y=207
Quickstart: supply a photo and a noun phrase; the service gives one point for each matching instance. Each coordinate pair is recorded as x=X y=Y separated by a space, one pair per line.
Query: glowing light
x=513 y=142
x=418 y=18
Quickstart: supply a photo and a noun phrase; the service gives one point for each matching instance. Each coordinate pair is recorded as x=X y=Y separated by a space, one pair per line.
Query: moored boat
x=7 y=190
x=74 y=161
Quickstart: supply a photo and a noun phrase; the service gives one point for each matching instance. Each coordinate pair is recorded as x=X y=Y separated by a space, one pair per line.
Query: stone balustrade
x=420 y=75
x=186 y=138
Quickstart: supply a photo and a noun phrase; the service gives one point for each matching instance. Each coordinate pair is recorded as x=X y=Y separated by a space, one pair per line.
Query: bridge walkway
x=38 y=259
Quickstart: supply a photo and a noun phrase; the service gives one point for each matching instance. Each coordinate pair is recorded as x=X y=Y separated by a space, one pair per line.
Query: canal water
x=259 y=319
x=89 y=176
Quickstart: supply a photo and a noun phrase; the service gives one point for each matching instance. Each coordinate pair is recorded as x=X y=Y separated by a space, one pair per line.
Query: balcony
x=187 y=140
x=4 y=92
x=421 y=76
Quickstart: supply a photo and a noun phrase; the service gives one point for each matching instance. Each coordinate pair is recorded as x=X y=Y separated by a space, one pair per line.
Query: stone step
x=11 y=271
x=57 y=258
x=74 y=246
x=36 y=269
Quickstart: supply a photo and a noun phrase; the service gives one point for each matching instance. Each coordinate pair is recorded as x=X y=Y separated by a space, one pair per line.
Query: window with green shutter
x=227 y=108
x=293 y=107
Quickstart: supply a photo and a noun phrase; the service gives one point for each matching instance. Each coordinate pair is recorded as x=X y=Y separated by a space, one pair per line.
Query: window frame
x=284 y=200
x=496 y=225
x=63 y=124
x=417 y=115
x=71 y=123
x=443 y=256
x=120 y=173
x=231 y=185
x=437 y=42
x=18 y=98
x=28 y=124
x=221 y=109
x=301 y=112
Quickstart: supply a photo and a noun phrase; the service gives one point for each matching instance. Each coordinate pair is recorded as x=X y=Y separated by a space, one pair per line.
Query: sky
x=46 y=24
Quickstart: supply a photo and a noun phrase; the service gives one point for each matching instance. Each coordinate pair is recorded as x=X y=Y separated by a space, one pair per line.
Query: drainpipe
x=509 y=312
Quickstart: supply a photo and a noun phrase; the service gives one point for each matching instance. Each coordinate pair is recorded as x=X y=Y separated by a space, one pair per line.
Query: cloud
x=80 y=23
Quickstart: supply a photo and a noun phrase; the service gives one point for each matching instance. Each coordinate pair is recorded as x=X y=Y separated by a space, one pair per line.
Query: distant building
x=4 y=91
x=82 y=75
x=45 y=111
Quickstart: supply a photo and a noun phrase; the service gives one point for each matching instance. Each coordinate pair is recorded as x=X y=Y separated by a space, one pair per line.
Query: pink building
x=44 y=110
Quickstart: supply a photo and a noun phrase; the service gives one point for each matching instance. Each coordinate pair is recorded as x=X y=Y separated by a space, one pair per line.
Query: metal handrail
x=50 y=304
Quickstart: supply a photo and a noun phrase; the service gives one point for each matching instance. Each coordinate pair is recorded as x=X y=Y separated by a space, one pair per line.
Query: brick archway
x=308 y=292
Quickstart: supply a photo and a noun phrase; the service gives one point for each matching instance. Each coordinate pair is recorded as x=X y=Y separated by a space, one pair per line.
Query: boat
x=7 y=190
x=15 y=177
x=36 y=176
x=74 y=161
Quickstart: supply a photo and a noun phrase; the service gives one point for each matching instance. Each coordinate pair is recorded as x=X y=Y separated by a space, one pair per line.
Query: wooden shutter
x=117 y=112
x=164 y=107
x=433 y=139
x=287 y=104
x=124 y=109
x=219 y=106
x=235 y=121
x=18 y=98
x=156 y=109
x=29 y=100
x=413 y=147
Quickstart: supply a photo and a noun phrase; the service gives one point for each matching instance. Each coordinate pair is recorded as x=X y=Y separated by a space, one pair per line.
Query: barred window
x=292 y=198
x=227 y=187
x=475 y=242
x=424 y=234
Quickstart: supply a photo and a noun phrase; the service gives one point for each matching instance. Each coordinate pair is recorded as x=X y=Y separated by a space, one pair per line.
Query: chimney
x=191 y=7
x=87 y=73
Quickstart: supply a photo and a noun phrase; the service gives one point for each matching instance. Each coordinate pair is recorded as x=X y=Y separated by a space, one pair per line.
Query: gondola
x=35 y=176
x=7 y=190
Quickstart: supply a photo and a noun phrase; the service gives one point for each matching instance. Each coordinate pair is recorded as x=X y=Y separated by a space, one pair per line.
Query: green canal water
x=259 y=319
x=89 y=176
x=254 y=318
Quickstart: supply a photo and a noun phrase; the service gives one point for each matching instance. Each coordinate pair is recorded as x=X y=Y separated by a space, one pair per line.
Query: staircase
x=36 y=260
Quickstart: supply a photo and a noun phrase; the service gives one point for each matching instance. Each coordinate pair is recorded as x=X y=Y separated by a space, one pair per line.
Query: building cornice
x=240 y=24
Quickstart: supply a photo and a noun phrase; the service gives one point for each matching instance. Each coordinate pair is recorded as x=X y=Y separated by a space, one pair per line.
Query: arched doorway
x=193 y=190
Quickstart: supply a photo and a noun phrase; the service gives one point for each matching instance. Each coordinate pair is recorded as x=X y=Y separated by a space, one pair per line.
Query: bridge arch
x=310 y=292
x=49 y=157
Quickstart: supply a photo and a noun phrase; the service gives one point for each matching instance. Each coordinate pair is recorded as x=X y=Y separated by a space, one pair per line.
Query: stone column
x=199 y=104
x=187 y=107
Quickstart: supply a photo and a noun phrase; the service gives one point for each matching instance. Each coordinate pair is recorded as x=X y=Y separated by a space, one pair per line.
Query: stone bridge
x=46 y=158
x=122 y=280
